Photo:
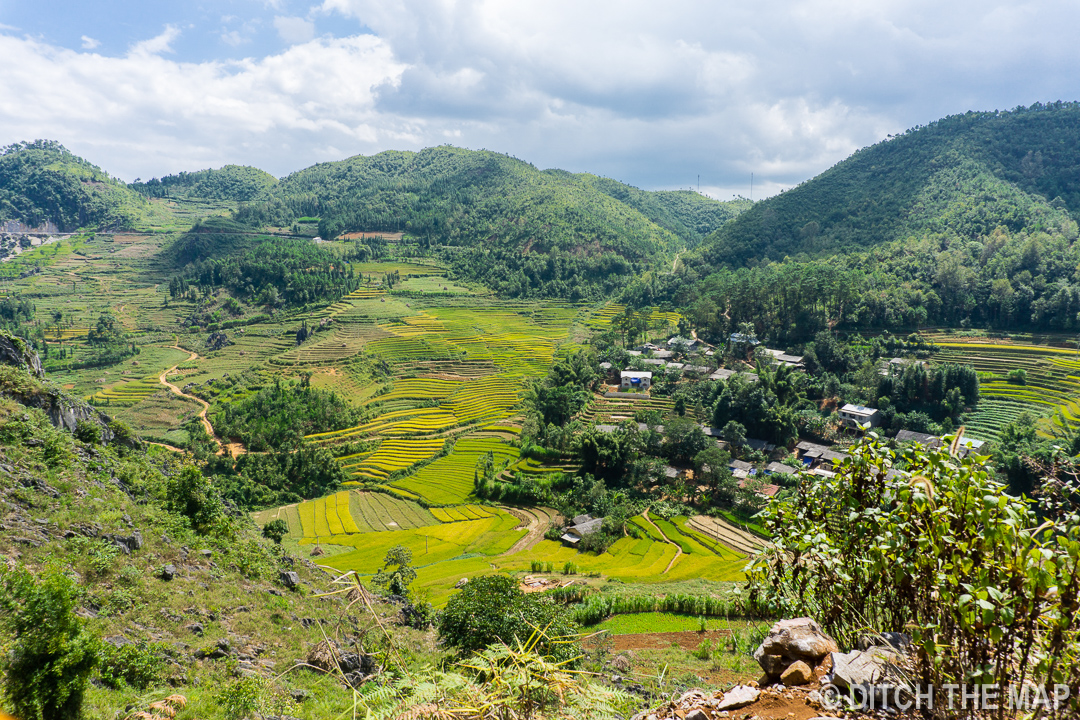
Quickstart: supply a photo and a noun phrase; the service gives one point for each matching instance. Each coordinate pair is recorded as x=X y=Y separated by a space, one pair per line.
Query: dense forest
x=231 y=182
x=962 y=177
x=42 y=182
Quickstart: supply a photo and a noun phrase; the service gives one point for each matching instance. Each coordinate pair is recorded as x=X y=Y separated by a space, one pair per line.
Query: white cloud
x=89 y=43
x=145 y=115
x=156 y=45
x=652 y=96
x=294 y=30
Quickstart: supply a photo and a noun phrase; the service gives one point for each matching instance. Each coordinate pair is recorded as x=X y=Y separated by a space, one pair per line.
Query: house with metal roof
x=583 y=525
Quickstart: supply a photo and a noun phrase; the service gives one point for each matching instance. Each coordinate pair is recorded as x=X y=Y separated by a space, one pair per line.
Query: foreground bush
x=48 y=667
x=987 y=589
x=492 y=609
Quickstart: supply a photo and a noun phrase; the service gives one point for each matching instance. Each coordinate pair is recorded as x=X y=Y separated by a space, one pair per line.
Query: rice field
x=1051 y=391
x=449 y=479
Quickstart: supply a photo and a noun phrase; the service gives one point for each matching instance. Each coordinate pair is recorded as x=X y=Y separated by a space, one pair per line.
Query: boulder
x=773 y=665
x=739 y=696
x=168 y=572
x=862 y=667
x=799 y=639
x=289 y=579
x=798 y=673
x=901 y=642
x=461 y=583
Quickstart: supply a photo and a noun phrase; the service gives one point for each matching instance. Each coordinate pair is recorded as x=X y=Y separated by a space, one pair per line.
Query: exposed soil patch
x=688 y=640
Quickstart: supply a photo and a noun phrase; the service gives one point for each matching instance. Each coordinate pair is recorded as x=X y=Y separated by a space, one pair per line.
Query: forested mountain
x=231 y=182
x=967 y=222
x=962 y=176
x=42 y=182
x=501 y=221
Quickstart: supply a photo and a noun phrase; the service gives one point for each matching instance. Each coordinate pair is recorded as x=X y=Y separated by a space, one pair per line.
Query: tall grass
x=597 y=608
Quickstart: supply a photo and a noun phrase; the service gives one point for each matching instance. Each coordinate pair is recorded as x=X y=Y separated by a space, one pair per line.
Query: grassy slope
x=964 y=174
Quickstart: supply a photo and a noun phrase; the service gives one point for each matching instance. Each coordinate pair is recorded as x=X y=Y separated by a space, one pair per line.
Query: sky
x=659 y=95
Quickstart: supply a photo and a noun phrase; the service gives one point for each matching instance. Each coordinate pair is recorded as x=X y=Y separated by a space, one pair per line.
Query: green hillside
x=232 y=182
x=961 y=176
x=497 y=220
x=43 y=182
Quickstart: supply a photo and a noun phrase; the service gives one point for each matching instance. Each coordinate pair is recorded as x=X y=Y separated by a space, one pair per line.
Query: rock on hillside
x=29 y=388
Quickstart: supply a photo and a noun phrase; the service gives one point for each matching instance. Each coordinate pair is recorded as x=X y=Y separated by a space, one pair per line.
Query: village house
x=860 y=416
x=924 y=439
x=795 y=361
x=583 y=525
x=724 y=374
x=814 y=456
x=634 y=379
x=775 y=467
x=767 y=491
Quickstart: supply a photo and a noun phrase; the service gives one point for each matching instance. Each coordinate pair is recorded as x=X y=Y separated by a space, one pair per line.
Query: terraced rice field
x=450 y=479
x=602 y=318
x=393 y=454
x=348 y=513
x=129 y=391
x=1051 y=391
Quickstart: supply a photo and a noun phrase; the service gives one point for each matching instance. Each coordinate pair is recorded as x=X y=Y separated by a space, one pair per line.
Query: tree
x=734 y=434
x=397 y=572
x=189 y=493
x=275 y=530
x=492 y=609
x=49 y=665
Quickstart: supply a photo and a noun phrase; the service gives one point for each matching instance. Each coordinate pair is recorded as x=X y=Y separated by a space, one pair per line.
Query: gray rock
x=901 y=642
x=862 y=667
x=739 y=696
x=168 y=572
x=461 y=583
x=773 y=665
x=289 y=579
x=696 y=714
x=799 y=639
x=118 y=641
x=194 y=628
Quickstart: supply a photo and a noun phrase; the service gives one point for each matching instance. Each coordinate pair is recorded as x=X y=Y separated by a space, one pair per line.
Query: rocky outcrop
x=62 y=410
x=13 y=351
x=799 y=640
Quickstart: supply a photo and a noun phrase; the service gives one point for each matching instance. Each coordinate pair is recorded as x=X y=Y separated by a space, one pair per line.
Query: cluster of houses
x=660 y=357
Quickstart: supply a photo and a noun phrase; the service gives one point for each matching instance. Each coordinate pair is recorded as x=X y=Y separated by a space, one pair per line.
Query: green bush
x=491 y=609
x=138 y=665
x=51 y=657
x=88 y=431
x=986 y=587
x=275 y=530
x=189 y=493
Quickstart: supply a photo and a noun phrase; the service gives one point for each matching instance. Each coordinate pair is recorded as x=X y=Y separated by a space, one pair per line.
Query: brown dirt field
x=688 y=640
x=384 y=235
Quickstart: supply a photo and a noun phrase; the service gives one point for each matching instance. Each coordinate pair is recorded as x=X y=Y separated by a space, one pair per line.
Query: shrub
x=138 y=665
x=275 y=530
x=88 y=431
x=986 y=587
x=492 y=609
x=190 y=494
x=49 y=665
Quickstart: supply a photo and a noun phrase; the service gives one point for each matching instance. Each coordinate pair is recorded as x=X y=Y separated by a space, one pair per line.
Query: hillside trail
x=535 y=525
x=678 y=549
x=205 y=405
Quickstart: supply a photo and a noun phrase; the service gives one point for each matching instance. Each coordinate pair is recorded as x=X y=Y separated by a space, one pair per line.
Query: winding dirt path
x=678 y=549
x=536 y=521
x=205 y=405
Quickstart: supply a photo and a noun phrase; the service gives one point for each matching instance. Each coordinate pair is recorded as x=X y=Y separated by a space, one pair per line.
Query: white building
x=632 y=379
x=860 y=416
